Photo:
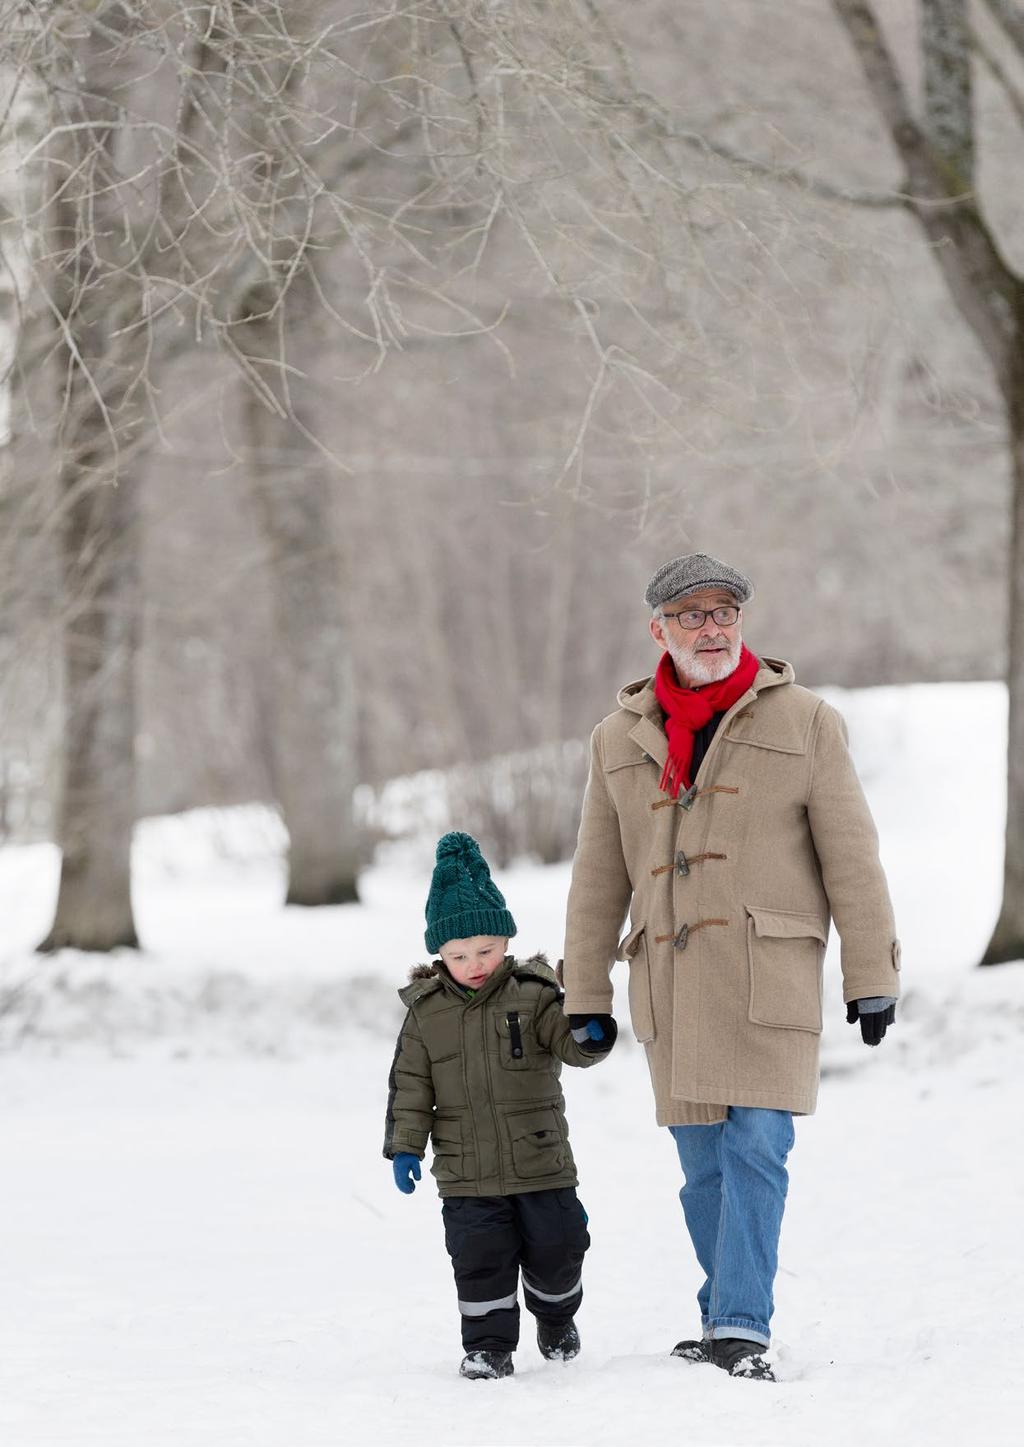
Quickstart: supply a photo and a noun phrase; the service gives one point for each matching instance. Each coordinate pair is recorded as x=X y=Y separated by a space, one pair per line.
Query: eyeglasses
x=695 y=618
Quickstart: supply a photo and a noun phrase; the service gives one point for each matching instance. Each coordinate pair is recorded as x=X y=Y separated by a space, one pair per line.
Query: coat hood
x=638 y=697
x=424 y=972
x=425 y=978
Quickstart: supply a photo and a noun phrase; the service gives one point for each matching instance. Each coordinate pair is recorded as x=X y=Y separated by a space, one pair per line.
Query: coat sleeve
x=554 y=1035
x=599 y=896
x=846 y=843
x=410 y=1107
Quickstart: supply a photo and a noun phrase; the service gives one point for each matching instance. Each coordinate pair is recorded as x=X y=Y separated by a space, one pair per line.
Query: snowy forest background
x=358 y=365
x=341 y=340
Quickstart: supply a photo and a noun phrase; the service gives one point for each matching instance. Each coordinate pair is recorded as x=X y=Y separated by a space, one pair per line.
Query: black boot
x=692 y=1351
x=559 y=1341
x=478 y=1365
x=741 y=1358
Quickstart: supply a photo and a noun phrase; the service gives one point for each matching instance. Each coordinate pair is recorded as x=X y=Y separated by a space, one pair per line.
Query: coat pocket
x=537 y=1145
x=446 y=1140
x=641 y=1004
x=516 y=1044
x=784 y=953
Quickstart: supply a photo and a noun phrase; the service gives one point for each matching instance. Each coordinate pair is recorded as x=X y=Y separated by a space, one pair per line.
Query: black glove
x=593 y=1033
x=873 y=1024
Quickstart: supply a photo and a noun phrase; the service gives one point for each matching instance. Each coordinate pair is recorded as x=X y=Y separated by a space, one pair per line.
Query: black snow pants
x=490 y=1238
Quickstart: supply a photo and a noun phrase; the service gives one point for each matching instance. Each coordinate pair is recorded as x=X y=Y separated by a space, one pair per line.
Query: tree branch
x=1011 y=18
x=988 y=293
x=802 y=180
x=999 y=73
x=948 y=113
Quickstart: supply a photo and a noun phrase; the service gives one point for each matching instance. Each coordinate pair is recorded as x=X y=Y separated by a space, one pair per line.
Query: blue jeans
x=733 y=1199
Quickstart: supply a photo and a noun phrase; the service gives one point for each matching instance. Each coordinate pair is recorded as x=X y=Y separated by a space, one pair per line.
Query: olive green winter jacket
x=477 y=1074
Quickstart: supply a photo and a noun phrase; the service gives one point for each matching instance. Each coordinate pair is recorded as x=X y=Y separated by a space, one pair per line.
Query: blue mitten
x=407 y=1172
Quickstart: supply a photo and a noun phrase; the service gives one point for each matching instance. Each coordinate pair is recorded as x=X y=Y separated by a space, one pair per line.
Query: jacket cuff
x=587 y=1004
x=406 y=1144
x=872 y=989
x=857 y=986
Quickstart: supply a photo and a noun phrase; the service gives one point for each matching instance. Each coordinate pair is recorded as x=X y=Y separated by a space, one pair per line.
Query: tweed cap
x=692 y=573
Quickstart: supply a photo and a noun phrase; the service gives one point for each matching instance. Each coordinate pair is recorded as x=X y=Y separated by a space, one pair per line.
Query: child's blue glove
x=407 y=1172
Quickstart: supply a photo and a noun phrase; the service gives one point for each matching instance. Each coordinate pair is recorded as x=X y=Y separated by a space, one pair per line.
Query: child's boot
x=559 y=1341
x=477 y=1365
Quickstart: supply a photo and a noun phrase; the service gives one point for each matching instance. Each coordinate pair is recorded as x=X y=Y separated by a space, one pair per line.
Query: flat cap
x=692 y=574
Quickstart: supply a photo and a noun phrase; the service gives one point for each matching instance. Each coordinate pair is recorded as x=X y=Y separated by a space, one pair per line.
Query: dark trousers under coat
x=490 y=1238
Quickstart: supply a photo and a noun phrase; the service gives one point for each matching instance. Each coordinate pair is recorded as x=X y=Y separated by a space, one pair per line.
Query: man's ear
x=657 y=630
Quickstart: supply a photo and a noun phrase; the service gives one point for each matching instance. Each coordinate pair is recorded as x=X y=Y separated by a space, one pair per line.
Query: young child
x=476 y=1070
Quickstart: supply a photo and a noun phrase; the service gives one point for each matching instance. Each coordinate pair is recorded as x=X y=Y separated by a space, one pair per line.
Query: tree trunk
x=549 y=839
x=989 y=295
x=1007 y=942
x=103 y=435
x=100 y=641
x=313 y=728
x=24 y=106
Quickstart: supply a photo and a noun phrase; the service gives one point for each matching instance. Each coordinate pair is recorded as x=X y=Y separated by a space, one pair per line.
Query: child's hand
x=593 y=1033
x=407 y=1172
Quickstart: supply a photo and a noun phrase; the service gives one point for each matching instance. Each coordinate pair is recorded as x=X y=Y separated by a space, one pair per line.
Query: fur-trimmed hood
x=424 y=972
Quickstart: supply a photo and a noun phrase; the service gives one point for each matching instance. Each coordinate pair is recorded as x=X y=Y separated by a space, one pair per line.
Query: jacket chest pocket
x=517 y=1049
x=537 y=1145
x=784 y=953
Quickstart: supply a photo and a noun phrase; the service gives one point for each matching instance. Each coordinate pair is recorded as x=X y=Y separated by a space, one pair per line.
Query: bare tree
x=154 y=243
x=938 y=152
x=24 y=115
x=205 y=164
x=312 y=736
x=98 y=298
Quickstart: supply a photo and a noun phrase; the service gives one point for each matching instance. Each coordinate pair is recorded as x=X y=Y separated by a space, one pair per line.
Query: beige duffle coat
x=730 y=891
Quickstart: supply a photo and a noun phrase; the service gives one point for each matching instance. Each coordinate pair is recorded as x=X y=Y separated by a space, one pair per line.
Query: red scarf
x=689 y=709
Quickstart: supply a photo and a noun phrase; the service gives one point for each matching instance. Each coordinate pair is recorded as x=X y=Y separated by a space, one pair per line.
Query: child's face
x=470 y=962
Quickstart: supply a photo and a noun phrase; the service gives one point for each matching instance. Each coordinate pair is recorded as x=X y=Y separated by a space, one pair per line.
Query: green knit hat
x=463 y=899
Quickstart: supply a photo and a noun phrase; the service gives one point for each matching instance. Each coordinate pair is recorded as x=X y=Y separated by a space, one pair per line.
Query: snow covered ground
x=201 y=1244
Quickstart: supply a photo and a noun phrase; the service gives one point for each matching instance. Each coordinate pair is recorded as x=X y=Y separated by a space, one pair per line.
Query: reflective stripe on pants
x=489 y=1239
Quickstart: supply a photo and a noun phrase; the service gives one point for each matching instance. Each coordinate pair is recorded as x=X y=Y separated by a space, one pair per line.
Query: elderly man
x=724 y=811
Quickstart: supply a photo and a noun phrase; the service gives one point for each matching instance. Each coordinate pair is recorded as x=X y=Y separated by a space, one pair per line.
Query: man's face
x=470 y=962
x=706 y=654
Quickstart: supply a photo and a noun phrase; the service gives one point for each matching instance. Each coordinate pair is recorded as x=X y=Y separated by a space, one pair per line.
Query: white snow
x=200 y=1242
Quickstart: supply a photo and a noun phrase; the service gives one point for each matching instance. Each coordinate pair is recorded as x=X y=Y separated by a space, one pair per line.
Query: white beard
x=695 y=668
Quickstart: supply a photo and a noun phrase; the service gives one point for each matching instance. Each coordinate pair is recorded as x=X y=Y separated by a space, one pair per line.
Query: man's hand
x=593 y=1033
x=875 y=1014
x=406 y=1167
